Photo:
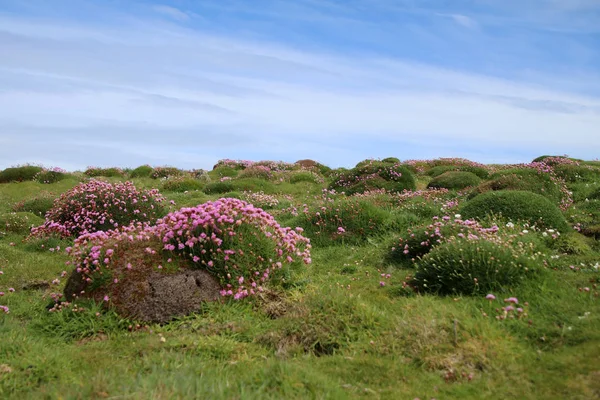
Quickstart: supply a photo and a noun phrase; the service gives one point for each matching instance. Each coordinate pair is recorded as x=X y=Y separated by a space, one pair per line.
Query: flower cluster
x=241 y=245
x=235 y=164
x=98 y=205
x=50 y=175
x=4 y=309
x=108 y=172
x=257 y=171
x=260 y=199
x=165 y=172
x=511 y=309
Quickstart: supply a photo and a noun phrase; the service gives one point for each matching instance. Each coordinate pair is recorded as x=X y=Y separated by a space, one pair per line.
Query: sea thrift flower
x=512 y=300
x=490 y=297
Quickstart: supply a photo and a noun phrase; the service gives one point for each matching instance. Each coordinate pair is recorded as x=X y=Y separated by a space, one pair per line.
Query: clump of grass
x=19 y=174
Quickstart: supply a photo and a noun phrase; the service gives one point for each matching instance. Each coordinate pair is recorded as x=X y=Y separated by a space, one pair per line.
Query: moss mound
x=374 y=175
x=454 y=180
x=522 y=179
x=516 y=205
x=19 y=174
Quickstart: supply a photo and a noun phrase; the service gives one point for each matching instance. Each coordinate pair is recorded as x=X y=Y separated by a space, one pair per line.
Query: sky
x=186 y=83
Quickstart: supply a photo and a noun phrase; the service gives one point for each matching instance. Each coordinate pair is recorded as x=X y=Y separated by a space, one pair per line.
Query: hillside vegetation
x=428 y=279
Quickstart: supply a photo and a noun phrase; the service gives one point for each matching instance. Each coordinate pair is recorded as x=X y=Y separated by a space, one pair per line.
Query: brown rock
x=152 y=297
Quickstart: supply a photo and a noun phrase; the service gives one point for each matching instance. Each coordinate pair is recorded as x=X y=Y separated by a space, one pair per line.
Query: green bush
x=225 y=171
x=391 y=160
x=254 y=185
x=516 y=205
x=38 y=205
x=143 y=171
x=47 y=176
x=576 y=173
x=20 y=222
x=342 y=221
x=595 y=195
x=219 y=187
x=373 y=176
x=165 y=172
x=440 y=169
x=106 y=172
x=522 y=179
x=305 y=176
x=181 y=184
x=470 y=268
x=19 y=174
x=572 y=243
x=454 y=180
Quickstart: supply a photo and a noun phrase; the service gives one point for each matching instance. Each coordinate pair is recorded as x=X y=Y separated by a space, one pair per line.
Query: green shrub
x=106 y=172
x=391 y=160
x=219 y=187
x=143 y=171
x=181 y=184
x=256 y=171
x=165 y=172
x=374 y=175
x=225 y=171
x=516 y=205
x=572 y=243
x=48 y=176
x=20 y=222
x=595 y=195
x=576 y=173
x=440 y=169
x=342 y=221
x=454 y=180
x=522 y=179
x=19 y=174
x=38 y=205
x=470 y=268
x=305 y=176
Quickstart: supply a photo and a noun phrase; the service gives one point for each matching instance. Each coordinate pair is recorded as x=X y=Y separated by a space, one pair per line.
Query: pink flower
x=512 y=300
x=106 y=298
x=382 y=283
x=490 y=297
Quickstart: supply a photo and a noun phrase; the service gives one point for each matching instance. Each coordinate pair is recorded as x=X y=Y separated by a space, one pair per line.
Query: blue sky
x=186 y=83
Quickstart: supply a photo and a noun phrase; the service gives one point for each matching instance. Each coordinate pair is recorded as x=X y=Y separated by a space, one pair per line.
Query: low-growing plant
x=143 y=171
x=112 y=172
x=51 y=175
x=305 y=176
x=218 y=187
x=181 y=184
x=19 y=222
x=165 y=172
x=19 y=174
x=257 y=171
x=97 y=205
x=470 y=267
x=481 y=172
x=516 y=205
x=38 y=205
x=454 y=180
x=241 y=245
x=572 y=243
x=261 y=200
x=374 y=175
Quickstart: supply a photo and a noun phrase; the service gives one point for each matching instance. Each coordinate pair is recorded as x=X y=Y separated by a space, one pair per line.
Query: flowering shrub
x=20 y=173
x=165 y=172
x=257 y=171
x=277 y=166
x=241 y=245
x=261 y=200
x=96 y=206
x=374 y=175
x=454 y=180
x=107 y=172
x=470 y=267
x=482 y=172
x=3 y=309
x=336 y=219
x=420 y=240
x=516 y=205
x=234 y=164
x=51 y=175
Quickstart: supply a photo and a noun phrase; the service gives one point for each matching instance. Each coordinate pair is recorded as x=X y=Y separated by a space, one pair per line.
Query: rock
x=152 y=297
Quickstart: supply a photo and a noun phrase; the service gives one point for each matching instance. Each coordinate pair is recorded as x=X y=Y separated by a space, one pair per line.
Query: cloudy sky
x=185 y=83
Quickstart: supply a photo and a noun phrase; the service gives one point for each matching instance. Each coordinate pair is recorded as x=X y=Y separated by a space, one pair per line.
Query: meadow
x=418 y=279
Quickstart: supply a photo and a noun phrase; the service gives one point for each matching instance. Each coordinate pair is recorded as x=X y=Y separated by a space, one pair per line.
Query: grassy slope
x=342 y=336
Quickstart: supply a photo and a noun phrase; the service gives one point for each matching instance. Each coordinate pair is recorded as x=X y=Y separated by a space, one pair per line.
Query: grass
x=335 y=333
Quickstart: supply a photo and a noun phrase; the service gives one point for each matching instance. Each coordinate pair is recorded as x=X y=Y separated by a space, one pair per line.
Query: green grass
x=335 y=333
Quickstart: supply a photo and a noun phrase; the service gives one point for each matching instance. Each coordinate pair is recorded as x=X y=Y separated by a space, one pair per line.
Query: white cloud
x=171 y=12
x=162 y=94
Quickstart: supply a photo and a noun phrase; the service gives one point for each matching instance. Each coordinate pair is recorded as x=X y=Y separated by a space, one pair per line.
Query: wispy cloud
x=153 y=91
x=171 y=12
